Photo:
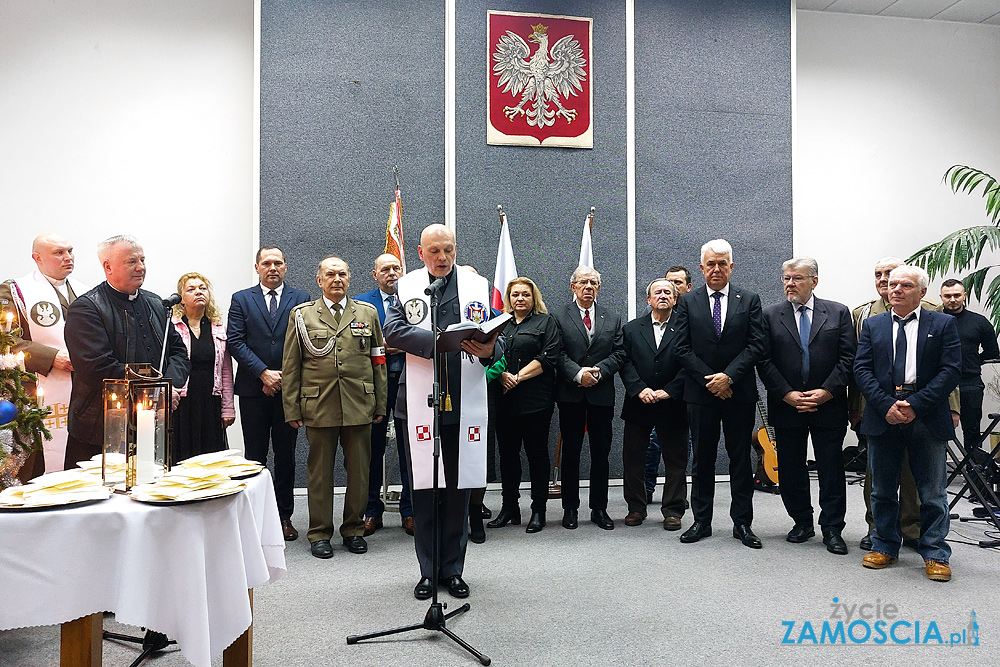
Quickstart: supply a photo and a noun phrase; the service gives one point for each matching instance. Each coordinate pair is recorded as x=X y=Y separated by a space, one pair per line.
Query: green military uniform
x=909 y=500
x=333 y=379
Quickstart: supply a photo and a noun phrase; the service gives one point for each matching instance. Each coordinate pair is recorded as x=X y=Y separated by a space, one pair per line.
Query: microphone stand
x=435 y=619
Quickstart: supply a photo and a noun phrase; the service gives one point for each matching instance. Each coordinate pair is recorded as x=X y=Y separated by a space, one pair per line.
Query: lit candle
x=9 y=324
x=40 y=394
x=145 y=434
x=20 y=360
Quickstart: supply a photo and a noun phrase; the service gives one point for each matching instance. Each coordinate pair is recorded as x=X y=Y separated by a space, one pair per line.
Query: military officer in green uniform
x=909 y=501
x=334 y=382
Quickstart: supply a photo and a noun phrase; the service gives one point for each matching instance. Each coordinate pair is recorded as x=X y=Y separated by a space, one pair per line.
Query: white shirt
x=810 y=307
x=911 y=345
x=723 y=302
x=659 y=328
x=385 y=297
x=267 y=298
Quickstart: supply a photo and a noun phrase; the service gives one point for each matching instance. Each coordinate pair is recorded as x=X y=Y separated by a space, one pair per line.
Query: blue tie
x=899 y=361
x=805 y=326
x=272 y=307
x=717 y=313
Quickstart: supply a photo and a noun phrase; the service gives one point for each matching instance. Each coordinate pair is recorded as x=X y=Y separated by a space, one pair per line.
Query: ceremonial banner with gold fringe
x=394 y=232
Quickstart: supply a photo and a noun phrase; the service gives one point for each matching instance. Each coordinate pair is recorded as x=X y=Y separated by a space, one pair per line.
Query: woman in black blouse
x=524 y=410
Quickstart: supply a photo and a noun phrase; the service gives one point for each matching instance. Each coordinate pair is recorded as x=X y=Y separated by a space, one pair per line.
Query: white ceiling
x=963 y=11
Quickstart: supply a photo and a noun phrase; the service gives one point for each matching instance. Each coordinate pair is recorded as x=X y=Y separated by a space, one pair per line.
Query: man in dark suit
x=806 y=369
x=258 y=318
x=908 y=361
x=592 y=353
x=720 y=336
x=386 y=272
x=654 y=386
x=464 y=297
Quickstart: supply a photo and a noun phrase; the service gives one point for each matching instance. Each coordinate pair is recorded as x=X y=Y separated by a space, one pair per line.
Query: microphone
x=434 y=287
x=172 y=300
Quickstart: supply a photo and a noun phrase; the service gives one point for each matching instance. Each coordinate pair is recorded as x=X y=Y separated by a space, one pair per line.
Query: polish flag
x=586 y=247
x=506 y=269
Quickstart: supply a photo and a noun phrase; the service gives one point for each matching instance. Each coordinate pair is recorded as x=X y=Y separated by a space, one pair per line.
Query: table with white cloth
x=184 y=570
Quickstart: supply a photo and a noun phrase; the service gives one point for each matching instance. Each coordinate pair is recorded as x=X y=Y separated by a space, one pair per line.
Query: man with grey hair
x=806 y=368
x=114 y=324
x=592 y=352
x=720 y=338
x=38 y=302
x=909 y=503
x=908 y=362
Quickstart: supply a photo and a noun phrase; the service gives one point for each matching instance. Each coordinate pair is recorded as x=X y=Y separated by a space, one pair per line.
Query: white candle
x=9 y=324
x=145 y=434
x=40 y=395
x=20 y=361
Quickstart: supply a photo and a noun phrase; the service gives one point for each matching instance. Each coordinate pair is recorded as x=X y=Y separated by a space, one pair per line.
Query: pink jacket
x=223 y=384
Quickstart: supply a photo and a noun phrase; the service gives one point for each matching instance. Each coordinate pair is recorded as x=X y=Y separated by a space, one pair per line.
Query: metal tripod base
x=151 y=643
x=435 y=619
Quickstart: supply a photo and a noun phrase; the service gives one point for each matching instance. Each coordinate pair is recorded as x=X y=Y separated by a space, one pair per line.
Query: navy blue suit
x=379 y=431
x=939 y=363
x=256 y=341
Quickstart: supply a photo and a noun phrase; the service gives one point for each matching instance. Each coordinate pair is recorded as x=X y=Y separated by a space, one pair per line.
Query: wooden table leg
x=240 y=652
x=80 y=641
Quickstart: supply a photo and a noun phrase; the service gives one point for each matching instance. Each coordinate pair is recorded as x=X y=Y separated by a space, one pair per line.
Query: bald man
x=386 y=272
x=39 y=302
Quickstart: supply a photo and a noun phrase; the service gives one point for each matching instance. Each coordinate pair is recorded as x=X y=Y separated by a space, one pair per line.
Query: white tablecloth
x=182 y=570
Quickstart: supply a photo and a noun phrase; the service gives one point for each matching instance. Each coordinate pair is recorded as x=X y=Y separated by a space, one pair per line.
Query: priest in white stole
x=39 y=302
x=464 y=297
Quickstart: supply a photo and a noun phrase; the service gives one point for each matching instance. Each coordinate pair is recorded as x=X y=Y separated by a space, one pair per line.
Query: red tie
x=586 y=319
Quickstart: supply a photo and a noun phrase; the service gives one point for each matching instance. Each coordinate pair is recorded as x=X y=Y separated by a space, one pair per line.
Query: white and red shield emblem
x=539 y=80
x=423 y=432
x=474 y=434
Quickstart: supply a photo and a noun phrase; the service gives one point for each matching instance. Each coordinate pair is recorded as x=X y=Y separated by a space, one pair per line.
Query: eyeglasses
x=587 y=281
x=795 y=280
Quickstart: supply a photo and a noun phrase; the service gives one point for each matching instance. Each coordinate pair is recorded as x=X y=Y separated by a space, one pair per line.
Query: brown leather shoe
x=877 y=561
x=937 y=571
x=408 y=524
x=634 y=519
x=672 y=523
x=288 y=530
x=372 y=523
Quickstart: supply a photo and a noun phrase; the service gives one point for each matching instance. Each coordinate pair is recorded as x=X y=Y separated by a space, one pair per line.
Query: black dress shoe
x=834 y=542
x=487 y=514
x=570 y=519
x=866 y=543
x=321 y=549
x=457 y=586
x=536 y=523
x=511 y=515
x=743 y=533
x=601 y=518
x=356 y=544
x=799 y=534
x=697 y=531
x=424 y=589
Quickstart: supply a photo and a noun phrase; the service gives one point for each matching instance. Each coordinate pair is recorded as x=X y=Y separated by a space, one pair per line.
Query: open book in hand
x=451 y=338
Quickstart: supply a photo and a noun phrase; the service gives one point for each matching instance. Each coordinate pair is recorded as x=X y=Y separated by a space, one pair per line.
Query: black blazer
x=604 y=350
x=832 y=345
x=735 y=353
x=647 y=366
x=939 y=368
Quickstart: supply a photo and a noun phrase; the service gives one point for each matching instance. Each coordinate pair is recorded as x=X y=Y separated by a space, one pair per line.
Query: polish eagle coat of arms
x=540 y=95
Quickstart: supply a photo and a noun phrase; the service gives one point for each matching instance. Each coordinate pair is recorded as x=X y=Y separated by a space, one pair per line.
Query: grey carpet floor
x=632 y=596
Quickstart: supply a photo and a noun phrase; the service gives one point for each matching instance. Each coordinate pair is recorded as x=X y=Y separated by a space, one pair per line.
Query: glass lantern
x=136 y=427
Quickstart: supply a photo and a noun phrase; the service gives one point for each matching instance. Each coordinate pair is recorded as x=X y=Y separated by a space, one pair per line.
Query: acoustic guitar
x=766 y=448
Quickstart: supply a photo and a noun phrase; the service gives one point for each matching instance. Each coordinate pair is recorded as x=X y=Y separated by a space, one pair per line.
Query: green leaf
x=958 y=251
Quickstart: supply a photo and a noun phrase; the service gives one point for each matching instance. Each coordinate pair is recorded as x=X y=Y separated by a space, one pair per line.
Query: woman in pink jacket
x=206 y=408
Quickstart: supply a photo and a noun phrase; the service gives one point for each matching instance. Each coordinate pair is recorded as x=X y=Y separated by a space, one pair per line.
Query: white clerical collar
x=53 y=281
x=131 y=297
x=330 y=304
